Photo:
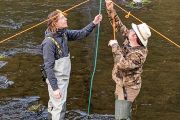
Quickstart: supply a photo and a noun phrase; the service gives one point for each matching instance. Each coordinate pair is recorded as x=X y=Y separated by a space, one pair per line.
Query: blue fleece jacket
x=50 y=52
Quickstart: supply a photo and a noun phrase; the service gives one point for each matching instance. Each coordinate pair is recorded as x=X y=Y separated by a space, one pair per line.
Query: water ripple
x=11 y=24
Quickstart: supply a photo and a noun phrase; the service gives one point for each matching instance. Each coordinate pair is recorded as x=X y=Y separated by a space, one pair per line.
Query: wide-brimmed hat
x=143 y=32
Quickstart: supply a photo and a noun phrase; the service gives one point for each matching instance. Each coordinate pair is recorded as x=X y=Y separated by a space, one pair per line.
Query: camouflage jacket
x=128 y=61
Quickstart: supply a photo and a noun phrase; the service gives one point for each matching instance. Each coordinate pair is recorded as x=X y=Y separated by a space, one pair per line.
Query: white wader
x=57 y=107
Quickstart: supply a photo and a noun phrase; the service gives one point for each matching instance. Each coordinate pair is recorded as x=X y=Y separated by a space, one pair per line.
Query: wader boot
x=122 y=110
x=49 y=116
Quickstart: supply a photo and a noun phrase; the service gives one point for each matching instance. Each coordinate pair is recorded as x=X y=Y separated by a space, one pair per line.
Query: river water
x=159 y=98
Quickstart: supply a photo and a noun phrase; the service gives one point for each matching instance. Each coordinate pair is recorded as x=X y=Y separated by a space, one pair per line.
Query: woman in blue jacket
x=57 y=63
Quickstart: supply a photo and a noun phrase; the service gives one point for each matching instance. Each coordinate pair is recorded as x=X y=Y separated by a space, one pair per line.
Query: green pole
x=95 y=60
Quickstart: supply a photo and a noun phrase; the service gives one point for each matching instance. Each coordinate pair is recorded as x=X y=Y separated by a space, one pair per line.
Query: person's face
x=132 y=35
x=62 y=22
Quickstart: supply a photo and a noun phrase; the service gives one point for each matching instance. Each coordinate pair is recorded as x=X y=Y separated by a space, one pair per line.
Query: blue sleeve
x=49 y=59
x=80 y=34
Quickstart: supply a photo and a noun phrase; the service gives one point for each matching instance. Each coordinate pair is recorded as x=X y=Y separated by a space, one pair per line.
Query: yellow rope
x=129 y=14
x=41 y=23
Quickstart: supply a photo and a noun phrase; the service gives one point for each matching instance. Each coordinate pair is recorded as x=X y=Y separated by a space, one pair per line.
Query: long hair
x=53 y=19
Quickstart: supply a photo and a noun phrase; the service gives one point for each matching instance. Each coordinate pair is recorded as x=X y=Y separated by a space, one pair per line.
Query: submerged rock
x=17 y=109
x=2 y=63
x=36 y=108
x=28 y=108
x=80 y=115
x=5 y=83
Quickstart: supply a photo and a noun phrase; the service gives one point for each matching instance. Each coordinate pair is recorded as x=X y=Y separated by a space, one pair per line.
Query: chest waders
x=57 y=107
x=123 y=107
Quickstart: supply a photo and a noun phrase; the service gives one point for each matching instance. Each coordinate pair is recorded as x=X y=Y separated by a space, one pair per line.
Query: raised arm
x=80 y=34
x=113 y=17
x=132 y=61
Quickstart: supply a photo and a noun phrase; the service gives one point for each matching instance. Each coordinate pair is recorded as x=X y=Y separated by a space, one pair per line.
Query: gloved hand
x=111 y=42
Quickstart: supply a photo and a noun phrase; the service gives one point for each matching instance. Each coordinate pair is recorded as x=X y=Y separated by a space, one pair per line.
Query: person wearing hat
x=128 y=62
x=57 y=63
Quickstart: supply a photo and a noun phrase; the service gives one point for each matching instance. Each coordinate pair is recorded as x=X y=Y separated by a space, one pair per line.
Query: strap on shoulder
x=56 y=44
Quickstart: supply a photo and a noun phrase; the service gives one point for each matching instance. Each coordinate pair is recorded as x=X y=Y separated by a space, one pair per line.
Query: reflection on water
x=159 y=97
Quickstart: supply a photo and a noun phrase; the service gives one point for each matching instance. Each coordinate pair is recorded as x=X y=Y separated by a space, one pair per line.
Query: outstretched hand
x=97 y=19
x=109 y=4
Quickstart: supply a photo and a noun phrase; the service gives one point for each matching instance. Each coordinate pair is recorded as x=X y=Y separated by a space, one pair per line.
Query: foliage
x=133 y=5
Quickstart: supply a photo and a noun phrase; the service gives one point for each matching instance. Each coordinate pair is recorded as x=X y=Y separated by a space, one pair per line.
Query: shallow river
x=159 y=98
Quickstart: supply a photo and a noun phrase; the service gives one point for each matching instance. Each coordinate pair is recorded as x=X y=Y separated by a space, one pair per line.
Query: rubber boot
x=49 y=116
x=63 y=112
x=122 y=110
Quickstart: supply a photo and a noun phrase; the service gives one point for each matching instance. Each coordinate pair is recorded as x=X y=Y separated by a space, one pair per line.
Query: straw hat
x=143 y=32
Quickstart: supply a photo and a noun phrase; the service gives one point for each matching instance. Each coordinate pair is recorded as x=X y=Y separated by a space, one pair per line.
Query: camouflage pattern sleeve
x=116 y=77
x=116 y=50
x=117 y=53
x=119 y=26
x=131 y=61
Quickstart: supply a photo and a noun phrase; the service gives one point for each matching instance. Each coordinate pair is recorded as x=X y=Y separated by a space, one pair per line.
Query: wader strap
x=125 y=93
x=56 y=44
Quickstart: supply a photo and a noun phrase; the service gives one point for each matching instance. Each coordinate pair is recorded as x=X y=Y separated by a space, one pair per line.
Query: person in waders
x=128 y=62
x=57 y=63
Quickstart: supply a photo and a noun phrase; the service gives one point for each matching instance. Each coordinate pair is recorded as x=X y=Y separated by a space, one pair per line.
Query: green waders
x=122 y=109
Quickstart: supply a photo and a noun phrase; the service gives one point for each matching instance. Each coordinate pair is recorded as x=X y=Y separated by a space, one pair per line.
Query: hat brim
x=143 y=41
